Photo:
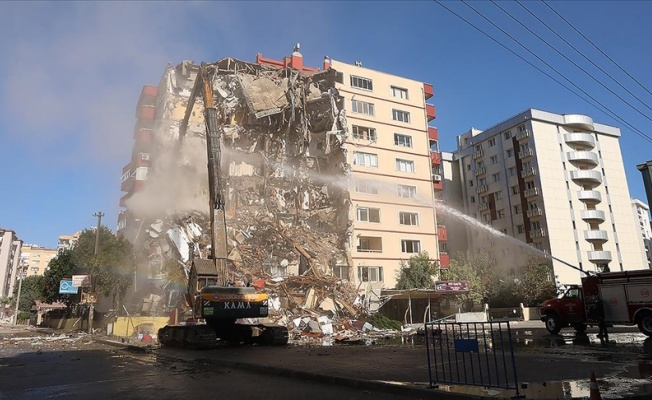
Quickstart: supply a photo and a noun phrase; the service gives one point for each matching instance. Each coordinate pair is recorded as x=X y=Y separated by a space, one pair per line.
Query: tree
x=112 y=268
x=417 y=273
x=478 y=269
x=60 y=267
x=537 y=284
x=30 y=290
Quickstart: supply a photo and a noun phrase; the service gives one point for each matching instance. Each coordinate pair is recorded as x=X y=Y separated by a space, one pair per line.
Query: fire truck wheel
x=645 y=323
x=580 y=328
x=553 y=324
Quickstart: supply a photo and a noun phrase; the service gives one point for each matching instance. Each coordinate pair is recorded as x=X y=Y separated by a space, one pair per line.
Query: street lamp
x=19 y=275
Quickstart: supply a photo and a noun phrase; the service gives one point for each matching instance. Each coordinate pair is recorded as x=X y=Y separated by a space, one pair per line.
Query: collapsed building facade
x=288 y=184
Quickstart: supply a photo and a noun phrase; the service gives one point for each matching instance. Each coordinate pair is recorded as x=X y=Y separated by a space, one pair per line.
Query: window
x=410 y=246
x=510 y=153
x=470 y=182
x=472 y=199
x=501 y=213
x=479 y=164
x=517 y=209
x=536 y=225
x=363 y=132
x=365 y=159
x=370 y=274
x=362 y=107
x=407 y=191
x=496 y=176
x=398 y=92
x=498 y=195
x=492 y=142
x=514 y=189
x=341 y=271
x=434 y=145
x=365 y=187
x=361 y=83
x=520 y=128
x=482 y=181
x=402 y=116
x=403 y=140
x=468 y=167
x=512 y=171
x=408 y=218
x=507 y=135
x=368 y=214
x=520 y=228
x=494 y=159
x=404 y=165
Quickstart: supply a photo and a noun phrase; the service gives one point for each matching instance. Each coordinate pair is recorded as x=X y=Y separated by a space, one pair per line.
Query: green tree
x=30 y=290
x=478 y=269
x=112 y=268
x=417 y=272
x=60 y=267
x=537 y=284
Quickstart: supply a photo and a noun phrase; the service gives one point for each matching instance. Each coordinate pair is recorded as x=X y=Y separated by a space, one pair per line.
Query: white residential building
x=10 y=247
x=641 y=215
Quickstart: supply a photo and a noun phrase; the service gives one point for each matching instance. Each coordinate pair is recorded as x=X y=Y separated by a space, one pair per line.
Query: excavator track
x=188 y=336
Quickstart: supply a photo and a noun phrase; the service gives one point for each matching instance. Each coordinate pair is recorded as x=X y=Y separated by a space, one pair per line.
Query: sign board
x=452 y=286
x=81 y=280
x=66 y=287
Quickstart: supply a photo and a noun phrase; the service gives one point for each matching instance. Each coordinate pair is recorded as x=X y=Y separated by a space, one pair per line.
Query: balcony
x=578 y=121
x=146 y=113
x=477 y=154
x=597 y=236
x=428 y=90
x=531 y=192
x=528 y=172
x=525 y=153
x=483 y=206
x=437 y=185
x=592 y=216
x=535 y=212
x=430 y=112
x=599 y=257
x=433 y=133
x=481 y=189
x=143 y=136
x=589 y=196
x=369 y=244
x=586 y=177
x=522 y=135
x=480 y=171
x=583 y=159
x=444 y=261
x=583 y=139
x=435 y=158
x=536 y=233
x=442 y=233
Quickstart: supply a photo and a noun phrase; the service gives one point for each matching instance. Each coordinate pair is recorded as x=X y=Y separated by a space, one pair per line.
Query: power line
x=578 y=51
x=602 y=107
x=594 y=45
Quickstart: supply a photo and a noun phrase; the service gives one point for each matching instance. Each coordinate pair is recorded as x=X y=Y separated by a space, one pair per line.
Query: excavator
x=217 y=305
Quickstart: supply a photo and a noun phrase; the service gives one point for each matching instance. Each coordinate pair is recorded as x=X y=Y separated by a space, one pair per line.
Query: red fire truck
x=622 y=298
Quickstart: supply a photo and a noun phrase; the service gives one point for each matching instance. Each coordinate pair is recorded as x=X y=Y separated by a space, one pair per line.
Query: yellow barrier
x=132 y=326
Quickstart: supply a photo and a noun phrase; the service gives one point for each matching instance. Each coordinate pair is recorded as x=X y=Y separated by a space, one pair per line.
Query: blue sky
x=72 y=73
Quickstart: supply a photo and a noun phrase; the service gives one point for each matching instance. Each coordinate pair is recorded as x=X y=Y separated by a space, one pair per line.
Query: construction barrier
x=473 y=353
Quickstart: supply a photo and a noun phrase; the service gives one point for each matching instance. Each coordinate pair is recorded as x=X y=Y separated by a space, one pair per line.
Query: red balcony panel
x=147 y=113
x=442 y=233
x=438 y=185
x=126 y=168
x=444 y=261
x=127 y=184
x=149 y=90
x=123 y=200
x=430 y=112
x=433 y=133
x=435 y=157
x=428 y=90
x=143 y=136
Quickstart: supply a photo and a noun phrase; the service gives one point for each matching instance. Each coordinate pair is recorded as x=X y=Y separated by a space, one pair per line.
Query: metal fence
x=471 y=353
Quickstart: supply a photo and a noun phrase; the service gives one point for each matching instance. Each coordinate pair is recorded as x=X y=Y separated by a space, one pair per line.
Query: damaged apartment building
x=328 y=178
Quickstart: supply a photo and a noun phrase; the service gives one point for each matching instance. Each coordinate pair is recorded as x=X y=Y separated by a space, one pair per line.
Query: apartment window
x=341 y=271
x=512 y=171
x=530 y=185
x=408 y=218
x=368 y=214
x=482 y=181
x=370 y=274
x=468 y=167
x=496 y=176
x=492 y=142
x=406 y=191
x=478 y=147
x=364 y=132
x=494 y=159
x=520 y=128
x=365 y=187
x=404 y=165
x=443 y=247
x=527 y=166
x=501 y=213
x=520 y=228
x=35 y=270
x=434 y=145
x=472 y=199
x=398 y=92
x=479 y=164
x=410 y=246
x=535 y=225
x=402 y=116
x=510 y=153
x=365 y=159
x=507 y=135
x=514 y=189
x=517 y=209
x=361 y=83
x=470 y=182
x=524 y=147
x=498 y=195
x=362 y=107
x=403 y=140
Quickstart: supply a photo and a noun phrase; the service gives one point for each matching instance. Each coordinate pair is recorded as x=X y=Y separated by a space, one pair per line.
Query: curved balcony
x=582 y=158
x=596 y=236
x=599 y=256
x=592 y=216
x=586 y=177
x=584 y=139
x=589 y=196
x=579 y=121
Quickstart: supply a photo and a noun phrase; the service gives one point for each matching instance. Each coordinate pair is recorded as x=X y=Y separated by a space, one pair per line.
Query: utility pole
x=91 y=310
x=19 y=275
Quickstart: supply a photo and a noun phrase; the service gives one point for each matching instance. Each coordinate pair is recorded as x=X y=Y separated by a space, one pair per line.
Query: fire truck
x=621 y=298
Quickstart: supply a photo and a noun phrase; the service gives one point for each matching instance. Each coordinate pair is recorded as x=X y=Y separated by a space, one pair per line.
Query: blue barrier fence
x=471 y=353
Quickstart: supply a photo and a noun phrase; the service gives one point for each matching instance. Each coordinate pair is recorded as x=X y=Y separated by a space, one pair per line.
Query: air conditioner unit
x=144 y=156
x=436 y=177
